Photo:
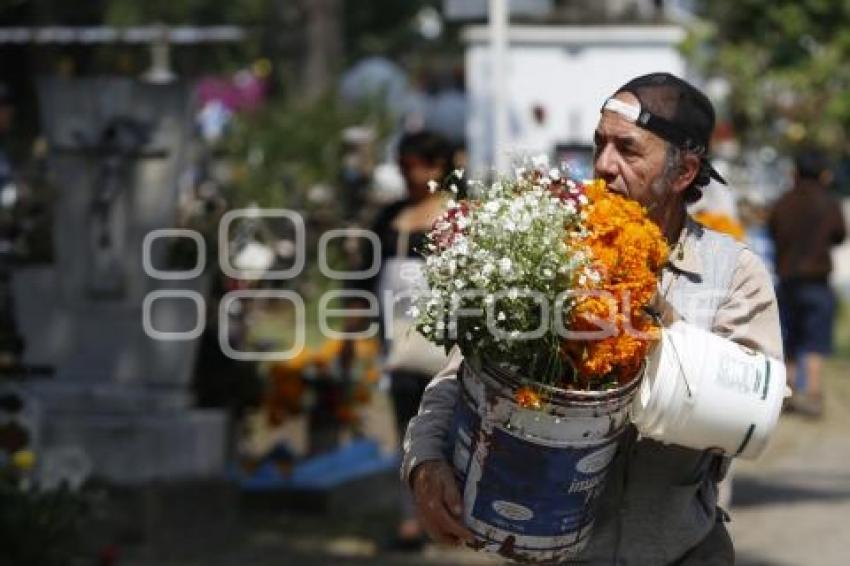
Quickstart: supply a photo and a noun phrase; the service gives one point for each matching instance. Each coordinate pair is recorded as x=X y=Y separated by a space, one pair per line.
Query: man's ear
x=688 y=171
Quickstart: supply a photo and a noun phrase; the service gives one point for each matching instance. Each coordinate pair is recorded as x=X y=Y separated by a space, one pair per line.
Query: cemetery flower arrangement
x=347 y=379
x=547 y=275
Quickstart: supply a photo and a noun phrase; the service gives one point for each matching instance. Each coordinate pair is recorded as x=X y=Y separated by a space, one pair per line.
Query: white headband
x=628 y=111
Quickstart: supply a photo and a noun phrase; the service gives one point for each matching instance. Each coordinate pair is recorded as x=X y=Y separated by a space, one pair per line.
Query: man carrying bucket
x=659 y=503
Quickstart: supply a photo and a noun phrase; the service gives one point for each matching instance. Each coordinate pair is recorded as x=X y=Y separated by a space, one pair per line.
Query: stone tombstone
x=117 y=147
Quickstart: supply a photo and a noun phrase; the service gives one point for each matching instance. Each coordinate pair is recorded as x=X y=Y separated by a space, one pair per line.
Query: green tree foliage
x=186 y=12
x=786 y=61
x=290 y=145
x=39 y=528
x=383 y=26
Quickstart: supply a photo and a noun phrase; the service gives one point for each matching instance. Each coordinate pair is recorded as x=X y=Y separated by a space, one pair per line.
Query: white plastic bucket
x=702 y=391
x=531 y=477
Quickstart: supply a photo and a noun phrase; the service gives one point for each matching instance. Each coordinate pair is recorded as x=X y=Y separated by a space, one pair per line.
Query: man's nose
x=605 y=164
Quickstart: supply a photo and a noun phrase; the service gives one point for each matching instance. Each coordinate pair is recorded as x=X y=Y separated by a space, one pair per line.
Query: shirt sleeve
x=749 y=314
x=426 y=434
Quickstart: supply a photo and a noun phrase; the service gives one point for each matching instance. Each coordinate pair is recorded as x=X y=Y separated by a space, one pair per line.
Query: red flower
x=447 y=227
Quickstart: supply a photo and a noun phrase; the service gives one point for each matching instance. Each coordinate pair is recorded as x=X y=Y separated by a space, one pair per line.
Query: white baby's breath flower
x=512 y=236
x=433 y=185
x=458 y=173
x=413 y=311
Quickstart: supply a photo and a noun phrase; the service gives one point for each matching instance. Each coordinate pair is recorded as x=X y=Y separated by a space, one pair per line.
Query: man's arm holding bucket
x=424 y=467
x=427 y=432
x=748 y=316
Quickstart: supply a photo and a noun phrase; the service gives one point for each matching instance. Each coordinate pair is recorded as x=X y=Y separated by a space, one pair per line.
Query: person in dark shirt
x=402 y=228
x=805 y=224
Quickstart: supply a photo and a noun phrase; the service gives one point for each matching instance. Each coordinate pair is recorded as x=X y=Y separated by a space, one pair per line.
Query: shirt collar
x=683 y=254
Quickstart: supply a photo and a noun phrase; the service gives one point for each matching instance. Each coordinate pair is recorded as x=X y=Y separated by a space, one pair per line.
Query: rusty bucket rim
x=559 y=395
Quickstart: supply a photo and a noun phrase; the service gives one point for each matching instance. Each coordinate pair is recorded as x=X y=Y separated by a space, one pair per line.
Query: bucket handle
x=679 y=361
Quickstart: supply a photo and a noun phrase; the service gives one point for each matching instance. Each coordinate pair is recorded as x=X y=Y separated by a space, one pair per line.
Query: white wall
x=569 y=71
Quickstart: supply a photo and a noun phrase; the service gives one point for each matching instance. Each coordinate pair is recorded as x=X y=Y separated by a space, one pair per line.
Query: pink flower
x=447 y=228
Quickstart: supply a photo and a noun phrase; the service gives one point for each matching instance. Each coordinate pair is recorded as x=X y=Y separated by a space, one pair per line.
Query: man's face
x=630 y=159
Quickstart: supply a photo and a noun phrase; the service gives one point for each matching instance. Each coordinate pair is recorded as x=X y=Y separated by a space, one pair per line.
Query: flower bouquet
x=545 y=273
x=543 y=282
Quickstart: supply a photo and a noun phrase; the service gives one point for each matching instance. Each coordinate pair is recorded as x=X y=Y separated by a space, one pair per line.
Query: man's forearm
x=427 y=432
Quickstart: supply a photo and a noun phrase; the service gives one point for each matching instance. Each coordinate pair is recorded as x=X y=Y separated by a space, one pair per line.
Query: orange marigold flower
x=627 y=251
x=721 y=223
x=527 y=398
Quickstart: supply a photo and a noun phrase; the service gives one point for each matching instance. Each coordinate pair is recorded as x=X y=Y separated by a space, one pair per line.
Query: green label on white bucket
x=739 y=376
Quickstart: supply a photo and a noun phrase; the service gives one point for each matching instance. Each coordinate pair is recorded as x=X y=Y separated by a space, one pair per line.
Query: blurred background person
x=805 y=224
x=425 y=160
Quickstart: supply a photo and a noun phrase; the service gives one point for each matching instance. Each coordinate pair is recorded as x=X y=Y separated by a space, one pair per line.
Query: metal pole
x=498 y=19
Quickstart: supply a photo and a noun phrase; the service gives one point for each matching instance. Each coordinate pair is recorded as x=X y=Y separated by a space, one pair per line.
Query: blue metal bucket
x=531 y=477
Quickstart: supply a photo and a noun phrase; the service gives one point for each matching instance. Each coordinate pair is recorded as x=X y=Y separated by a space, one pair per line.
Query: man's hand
x=662 y=311
x=438 y=501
